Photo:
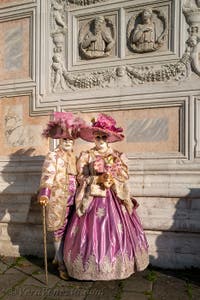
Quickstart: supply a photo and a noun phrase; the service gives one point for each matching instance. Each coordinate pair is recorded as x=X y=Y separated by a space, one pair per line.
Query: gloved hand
x=105 y=180
x=43 y=200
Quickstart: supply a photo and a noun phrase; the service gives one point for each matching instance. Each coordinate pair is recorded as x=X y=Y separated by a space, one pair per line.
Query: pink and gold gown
x=106 y=241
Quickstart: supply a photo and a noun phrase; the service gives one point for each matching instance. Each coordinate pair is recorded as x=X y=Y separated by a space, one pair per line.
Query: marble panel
x=15 y=49
x=11 y=2
x=21 y=133
x=146 y=130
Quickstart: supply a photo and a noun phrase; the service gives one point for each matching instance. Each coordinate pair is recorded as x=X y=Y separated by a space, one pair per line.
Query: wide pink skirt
x=106 y=243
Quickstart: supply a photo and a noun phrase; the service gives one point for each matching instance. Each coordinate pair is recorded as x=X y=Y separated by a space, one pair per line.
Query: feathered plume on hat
x=103 y=124
x=64 y=125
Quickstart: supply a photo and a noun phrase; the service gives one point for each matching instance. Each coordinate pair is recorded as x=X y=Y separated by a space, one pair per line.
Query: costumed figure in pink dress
x=58 y=180
x=105 y=239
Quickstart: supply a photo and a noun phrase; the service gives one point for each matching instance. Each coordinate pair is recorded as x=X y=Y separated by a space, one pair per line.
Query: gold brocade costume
x=89 y=180
x=57 y=168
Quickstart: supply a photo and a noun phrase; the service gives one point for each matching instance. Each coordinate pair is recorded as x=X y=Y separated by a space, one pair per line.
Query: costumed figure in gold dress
x=58 y=180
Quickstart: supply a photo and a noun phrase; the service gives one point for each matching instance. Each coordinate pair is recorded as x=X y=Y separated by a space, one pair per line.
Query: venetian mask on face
x=67 y=144
x=100 y=140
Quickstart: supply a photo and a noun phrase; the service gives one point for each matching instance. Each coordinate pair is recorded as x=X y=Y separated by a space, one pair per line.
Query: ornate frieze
x=129 y=75
x=85 y=2
x=147 y=31
x=144 y=31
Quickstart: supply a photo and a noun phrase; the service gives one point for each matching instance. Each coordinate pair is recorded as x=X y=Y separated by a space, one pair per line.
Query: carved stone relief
x=58 y=18
x=58 y=25
x=147 y=31
x=58 y=31
x=16 y=132
x=130 y=75
x=96 y=38
x=85 y=2
x=191 y=10
x=59 y=70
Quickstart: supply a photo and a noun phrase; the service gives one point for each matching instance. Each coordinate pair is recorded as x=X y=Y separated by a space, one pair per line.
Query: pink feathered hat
x=65 y=125
x=104 y=124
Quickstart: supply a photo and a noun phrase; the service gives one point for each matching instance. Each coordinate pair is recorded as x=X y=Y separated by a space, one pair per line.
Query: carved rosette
x=191 y=10
x=144 y=32
x=96 y=38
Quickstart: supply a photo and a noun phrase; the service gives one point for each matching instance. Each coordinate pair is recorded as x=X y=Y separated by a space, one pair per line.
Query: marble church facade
x=138 y=61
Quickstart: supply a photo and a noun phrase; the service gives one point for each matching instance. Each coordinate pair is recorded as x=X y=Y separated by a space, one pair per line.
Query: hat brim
x=87 y=134
x=58 y=133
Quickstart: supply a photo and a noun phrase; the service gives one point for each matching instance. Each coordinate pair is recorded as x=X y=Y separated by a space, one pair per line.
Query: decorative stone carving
x=58 y=40
x=198 y=3
x=191 y=10
x=58 y=30
x=144 y=34
x=167 y=72
x=96 y=38
x=58 y=21
x=85 y=2
x=99 y=79
x=16 y=132
x=193 y=48
x=58 y=72
x=190 y=6
x=58 y=26
x=130 y=75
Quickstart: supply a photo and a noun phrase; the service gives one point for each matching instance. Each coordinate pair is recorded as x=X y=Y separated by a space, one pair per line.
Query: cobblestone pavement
x=23 y=278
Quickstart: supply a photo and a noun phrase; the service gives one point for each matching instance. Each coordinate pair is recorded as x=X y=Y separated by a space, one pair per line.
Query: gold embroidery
x=121 y=267
x=57 y=168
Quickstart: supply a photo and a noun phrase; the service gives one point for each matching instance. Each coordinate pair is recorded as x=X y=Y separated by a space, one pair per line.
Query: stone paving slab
x=7 y=281
x=25 y=279
x=137 y=283
x=194 y=291
x=3 y=267
x=8 y=260
x=102 y=290
x=167 y=287
x=133 y=296
x=72 y=289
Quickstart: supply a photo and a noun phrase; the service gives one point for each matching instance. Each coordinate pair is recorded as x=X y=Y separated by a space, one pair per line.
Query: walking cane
x=45 y=242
